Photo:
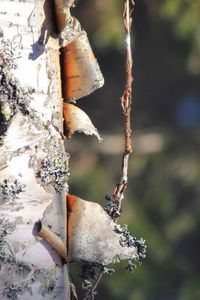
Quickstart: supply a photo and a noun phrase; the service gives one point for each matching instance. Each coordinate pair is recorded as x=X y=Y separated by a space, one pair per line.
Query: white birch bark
x=33 y=162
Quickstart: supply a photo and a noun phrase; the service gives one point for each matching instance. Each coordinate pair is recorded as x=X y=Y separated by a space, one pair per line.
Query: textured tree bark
x=33 y=162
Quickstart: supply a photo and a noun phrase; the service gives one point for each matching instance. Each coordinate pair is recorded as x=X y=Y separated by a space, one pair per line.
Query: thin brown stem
x=126 y=102
x=97 y=281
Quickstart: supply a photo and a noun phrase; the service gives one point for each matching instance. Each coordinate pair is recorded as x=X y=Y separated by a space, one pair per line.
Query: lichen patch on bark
x=11 y=190
x=50 y=166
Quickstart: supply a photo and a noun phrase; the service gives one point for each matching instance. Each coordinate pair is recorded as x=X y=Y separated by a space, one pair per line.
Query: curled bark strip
x=67 y=26
x=92 y=235
x=62 y=12
x=71 y=31
x=53 y=239
x=126 y=101
x=80 y=71
x=77 y=120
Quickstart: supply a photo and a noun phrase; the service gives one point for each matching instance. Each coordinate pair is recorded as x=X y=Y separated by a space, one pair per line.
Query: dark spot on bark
x=11 y=190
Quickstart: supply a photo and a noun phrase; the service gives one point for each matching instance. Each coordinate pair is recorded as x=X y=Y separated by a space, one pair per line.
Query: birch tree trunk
x=33 y=162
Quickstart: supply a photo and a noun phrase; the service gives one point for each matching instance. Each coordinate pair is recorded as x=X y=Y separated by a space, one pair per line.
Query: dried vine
x=126 y=105
x=113 y=205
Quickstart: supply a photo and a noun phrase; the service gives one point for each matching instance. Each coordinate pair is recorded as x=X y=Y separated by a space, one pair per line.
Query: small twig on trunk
x=126 y=101
x=53 y=239
x=97 y=281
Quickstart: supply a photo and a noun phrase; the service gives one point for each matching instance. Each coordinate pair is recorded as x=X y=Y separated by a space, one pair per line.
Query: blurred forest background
x=162 y=203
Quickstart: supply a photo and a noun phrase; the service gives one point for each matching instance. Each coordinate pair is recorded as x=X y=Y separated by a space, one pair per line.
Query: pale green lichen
x=52 y=170
x=23 y=276
x=6 y=227
x=127 y=240
x=47 y=279
x=13 y=97
x=10 y=190
x=13 y=291
x=6 y=253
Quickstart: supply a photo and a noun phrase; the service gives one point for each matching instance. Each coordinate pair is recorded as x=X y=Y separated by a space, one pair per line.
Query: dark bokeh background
x=162 y=201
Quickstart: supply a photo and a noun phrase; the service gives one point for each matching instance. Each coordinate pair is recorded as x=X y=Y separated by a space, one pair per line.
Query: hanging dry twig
x=126 y=101
x=114 y=203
